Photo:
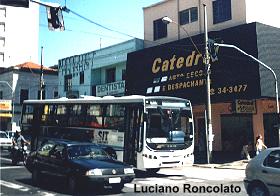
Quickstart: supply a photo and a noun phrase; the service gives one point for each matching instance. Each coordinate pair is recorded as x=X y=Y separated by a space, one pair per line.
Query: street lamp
x=167 y=20
x=206 y=60
x=5 y=82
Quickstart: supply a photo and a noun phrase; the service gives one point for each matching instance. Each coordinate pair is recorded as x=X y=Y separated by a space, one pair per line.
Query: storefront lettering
x=245 y=106
x=110 y=88
x=175 y=62
x=74 y=68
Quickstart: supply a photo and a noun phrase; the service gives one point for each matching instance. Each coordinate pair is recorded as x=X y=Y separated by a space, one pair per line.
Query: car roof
x=72 y=143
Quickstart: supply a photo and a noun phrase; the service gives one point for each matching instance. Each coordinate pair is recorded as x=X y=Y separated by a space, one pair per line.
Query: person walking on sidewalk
x=259 y=144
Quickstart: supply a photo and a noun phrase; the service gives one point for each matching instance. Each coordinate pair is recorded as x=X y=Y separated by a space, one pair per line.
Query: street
x=16 y=180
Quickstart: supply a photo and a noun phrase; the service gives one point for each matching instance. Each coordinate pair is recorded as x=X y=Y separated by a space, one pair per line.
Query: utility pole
x=41 y=82
x=209 y=135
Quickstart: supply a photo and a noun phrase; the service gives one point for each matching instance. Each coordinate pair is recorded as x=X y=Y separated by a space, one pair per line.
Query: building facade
x=98 y=73
x=19 y=34
x=19 y=83
x=189 y=15
x=242 y=91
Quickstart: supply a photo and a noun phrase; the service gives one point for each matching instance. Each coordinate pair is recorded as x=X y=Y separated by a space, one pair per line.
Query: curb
x=221 y=166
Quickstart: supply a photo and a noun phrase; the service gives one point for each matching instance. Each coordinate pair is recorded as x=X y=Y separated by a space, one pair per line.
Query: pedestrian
x=259 y=144
x=245 y=152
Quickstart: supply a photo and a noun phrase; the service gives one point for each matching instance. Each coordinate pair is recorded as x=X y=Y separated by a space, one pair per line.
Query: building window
x=111 y=75
x=160 y=29
x=194 y=14
x=55 y=94
x=221 y=11
x=2 y=27
x=2 y=12
x=1 y=94
x=82 y=77
x=2 y=41
x=23 y=95
x=1 y=57
x=67 y=82
x=43 y=95
x=189 y=15
x=123 y=74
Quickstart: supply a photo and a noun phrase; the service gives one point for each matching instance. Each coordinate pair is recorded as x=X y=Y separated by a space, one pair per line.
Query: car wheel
x=14 y=161
x=117 y=188
x=72 y=184
x=258 y=190
x=36 y=176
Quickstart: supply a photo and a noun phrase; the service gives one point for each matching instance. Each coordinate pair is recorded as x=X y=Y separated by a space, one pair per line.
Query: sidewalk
x=221 y=160
x=241 y=165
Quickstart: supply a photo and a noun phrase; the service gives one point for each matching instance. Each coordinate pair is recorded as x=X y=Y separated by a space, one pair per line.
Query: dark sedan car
x=78 y=163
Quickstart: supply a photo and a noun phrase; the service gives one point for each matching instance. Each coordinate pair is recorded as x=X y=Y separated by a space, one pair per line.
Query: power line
x=95 y=23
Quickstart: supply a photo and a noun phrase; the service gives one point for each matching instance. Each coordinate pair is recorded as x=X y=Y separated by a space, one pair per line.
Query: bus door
x=133 y=142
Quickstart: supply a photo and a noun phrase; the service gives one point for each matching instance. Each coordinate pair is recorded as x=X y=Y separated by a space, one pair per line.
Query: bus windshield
x=169 y=129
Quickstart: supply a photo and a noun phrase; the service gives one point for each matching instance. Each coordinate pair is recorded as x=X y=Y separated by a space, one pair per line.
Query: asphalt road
x=16 y=180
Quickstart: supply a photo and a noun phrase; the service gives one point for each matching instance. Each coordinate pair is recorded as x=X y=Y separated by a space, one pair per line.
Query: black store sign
x=177 y=69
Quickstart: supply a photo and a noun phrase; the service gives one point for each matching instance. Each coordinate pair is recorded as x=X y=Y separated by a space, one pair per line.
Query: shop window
x=221 y=11
x=1 y=94
x=160 y=29
x=110 y=75
x=23 y=95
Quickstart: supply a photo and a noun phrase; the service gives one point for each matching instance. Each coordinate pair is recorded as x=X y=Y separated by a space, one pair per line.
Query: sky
x=81 y=36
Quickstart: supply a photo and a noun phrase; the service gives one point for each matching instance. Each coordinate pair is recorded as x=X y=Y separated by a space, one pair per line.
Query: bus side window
x=75 y=113
x=93 y=116
x=114 y=117
x=27 y=116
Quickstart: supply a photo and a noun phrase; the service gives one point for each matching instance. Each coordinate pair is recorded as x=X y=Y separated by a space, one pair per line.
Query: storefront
x=242 y=92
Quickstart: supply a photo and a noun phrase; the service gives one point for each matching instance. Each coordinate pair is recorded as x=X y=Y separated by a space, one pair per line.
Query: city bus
x=148 y=132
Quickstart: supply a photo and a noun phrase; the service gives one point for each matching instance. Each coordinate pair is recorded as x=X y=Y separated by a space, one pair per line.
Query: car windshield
x=169 y=128
x=86 y=151
x=3 y=135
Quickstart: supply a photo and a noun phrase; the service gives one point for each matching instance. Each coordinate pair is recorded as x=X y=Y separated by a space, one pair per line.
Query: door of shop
x=200 y=143
x=271 y=133
x=236 y=130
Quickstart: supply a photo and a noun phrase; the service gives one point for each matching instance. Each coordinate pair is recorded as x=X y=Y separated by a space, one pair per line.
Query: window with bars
x=67 y=82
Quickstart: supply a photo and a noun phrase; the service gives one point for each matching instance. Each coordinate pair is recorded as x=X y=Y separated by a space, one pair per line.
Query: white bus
x=147 y=132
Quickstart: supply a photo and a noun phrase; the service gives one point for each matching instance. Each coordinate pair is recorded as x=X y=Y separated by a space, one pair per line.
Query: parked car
x=263 y=173
x=5 y=141
x=11 y=134
x=78 y=163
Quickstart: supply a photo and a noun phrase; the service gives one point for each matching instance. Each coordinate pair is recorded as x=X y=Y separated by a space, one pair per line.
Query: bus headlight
x=94 y=172
x=128 y=171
